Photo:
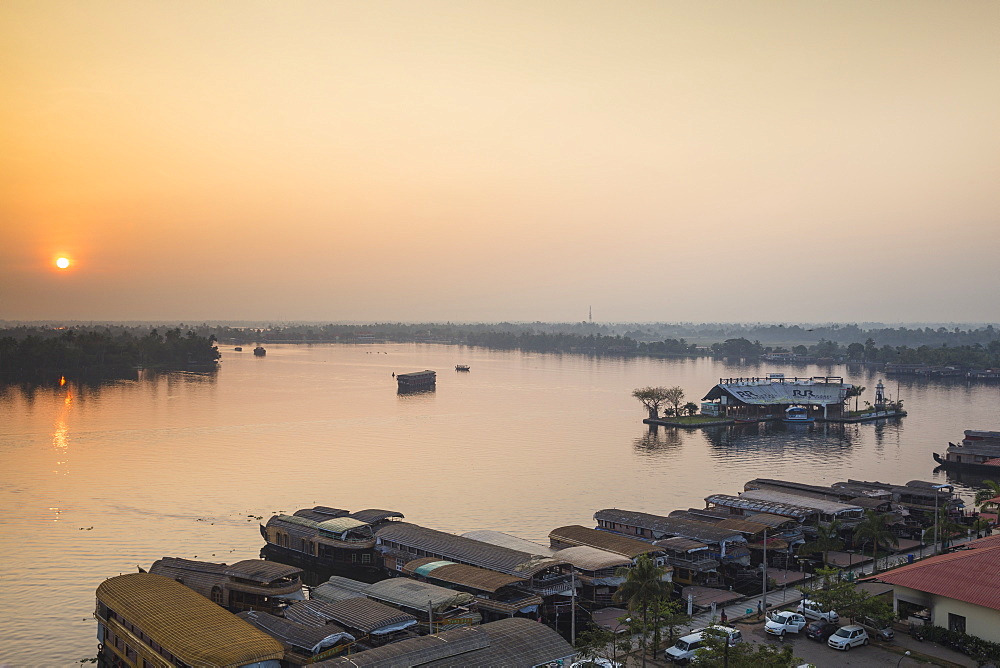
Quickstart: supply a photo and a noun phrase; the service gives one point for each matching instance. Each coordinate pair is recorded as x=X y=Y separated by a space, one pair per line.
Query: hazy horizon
x=442 y=161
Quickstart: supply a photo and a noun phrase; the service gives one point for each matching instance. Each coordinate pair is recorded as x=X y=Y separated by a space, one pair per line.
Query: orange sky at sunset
x=723 y=161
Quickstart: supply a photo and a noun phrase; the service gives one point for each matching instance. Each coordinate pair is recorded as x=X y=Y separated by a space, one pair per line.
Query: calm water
x=96 y=481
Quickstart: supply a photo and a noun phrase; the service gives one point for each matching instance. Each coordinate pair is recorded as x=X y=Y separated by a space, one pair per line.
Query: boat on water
x=979 y=451
x=797 y=414
x=416 y=381
x=238 y=349
x=259 y=351
x=461 y=367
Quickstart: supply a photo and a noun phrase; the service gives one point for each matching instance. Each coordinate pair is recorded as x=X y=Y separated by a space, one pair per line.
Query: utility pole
x=763 y=566
x=572 y=608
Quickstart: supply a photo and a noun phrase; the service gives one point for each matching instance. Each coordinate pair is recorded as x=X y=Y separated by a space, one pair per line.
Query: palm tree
x=874 y=529
x=827 y=539
x=642 y=589
x=947 y=529
x=984 y=497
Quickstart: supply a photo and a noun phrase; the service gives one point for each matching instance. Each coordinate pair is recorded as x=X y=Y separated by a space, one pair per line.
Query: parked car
x=878 y=630
x=683 y=651
x=813 y=610
x=847 y=637
x=596 y=663
x=820 y=629
x=784 y=622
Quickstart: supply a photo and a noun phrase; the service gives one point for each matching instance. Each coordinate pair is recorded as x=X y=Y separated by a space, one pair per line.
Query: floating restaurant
x=754 y=399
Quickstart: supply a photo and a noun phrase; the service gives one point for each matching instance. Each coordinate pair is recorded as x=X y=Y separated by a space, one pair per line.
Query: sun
x=63 y=263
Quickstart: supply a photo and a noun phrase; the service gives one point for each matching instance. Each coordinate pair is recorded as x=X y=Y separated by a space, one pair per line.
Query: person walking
x=722 y=617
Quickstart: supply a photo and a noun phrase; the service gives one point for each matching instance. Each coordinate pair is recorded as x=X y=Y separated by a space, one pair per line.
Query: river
x=100 y=479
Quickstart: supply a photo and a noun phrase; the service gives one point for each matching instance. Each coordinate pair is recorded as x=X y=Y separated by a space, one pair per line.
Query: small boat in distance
x=238 y=349
x=797 y=414
x=461 y=367
x=259 y=351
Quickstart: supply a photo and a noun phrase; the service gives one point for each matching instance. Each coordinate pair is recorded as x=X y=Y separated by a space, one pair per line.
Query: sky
x=487 y=161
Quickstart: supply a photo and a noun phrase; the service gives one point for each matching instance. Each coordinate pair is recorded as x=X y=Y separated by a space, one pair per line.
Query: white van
x=813 y=610
x=683 y=651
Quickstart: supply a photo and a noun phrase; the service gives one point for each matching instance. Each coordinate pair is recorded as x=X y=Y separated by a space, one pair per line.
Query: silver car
x=847 y=637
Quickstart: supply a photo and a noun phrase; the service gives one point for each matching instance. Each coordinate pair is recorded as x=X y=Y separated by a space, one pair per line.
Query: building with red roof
x=960 y=590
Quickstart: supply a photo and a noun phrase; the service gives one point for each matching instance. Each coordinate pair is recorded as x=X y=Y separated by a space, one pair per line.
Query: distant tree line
x=974 y=356
x=107 y=351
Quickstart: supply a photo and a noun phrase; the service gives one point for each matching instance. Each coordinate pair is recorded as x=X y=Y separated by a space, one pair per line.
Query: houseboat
x=251 y=584
x=979 y=451
x=461 y=367
x=434 y=607
x=144 y=619
x=497 y=595
x=416 y=381
x=327 y=541
x=305 y=643
x=373 y=623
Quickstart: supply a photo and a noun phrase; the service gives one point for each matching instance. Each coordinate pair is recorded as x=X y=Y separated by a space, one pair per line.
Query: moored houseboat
x=979 y=451
x=416 y=381
x=304 y=644
x=251 y=584
x=327 y=541
x=372 y=623
x=144 y=619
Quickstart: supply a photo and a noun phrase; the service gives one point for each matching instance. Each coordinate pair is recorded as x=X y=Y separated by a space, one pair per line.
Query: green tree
x=827 y=540
x=944 y=530
x=599 y=643
x=652 y=398
x=675 y=396
x=691 y=408
x=642 y=589
x=717 y=653
x=668 y=616
x=985 y=496
x=873 y=528
x=847 y=599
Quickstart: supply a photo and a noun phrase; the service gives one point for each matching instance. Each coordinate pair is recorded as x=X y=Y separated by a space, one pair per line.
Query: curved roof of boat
x=829 y=507
x=795 y=511
x=593 y=559
x=602 y=540
x=310 y=637
x=361 y=614
x=515 y=641
x=678 y=544
x=339 y=524
x=185 y=623
x=669 y=526
x=460 y=574
x=374 y=515
x=466 y=550
x=506 y=540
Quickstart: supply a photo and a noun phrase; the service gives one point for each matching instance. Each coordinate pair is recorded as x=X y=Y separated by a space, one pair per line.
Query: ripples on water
x=99 y=480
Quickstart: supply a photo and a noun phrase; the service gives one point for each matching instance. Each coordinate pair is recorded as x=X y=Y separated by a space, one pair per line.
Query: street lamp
x=905 y=654
x=614 y=643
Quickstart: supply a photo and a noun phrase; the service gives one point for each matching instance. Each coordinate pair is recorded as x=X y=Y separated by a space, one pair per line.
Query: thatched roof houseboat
x=327 y=540
x=303 y=644
x=420 y=599
x=497 y=594
x=251 y=584
x=847 y=514
x=401 y=542
x=690 y=560
x=726 y=546
x=144 y=619
x=372 y=623
x=508 y=642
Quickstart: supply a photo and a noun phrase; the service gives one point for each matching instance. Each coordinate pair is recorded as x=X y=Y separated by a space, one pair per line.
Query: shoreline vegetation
x=102 y=352
x=117 y=348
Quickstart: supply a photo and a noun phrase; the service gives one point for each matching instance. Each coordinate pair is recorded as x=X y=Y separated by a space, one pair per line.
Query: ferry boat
x=418 y=380
x=978 y=451
x=797 y=414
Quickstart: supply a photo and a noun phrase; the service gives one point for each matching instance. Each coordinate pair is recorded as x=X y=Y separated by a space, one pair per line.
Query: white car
x=784 y=622
x=847 y=637
x=684 y=650
x=596 y=663
x=813 y=610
